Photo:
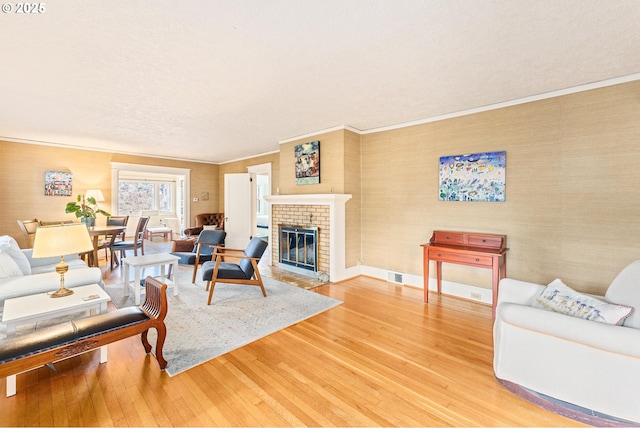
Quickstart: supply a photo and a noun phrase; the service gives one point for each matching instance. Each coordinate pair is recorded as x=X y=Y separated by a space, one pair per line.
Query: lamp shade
x=59 y=240
x=96 y=194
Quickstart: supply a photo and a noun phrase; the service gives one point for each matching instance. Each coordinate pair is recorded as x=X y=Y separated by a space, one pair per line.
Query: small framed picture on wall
x=58 y=183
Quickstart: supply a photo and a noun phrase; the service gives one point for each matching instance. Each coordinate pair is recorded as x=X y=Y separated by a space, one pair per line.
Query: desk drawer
x=453 y=257
x=485 y=241
x=449 y=238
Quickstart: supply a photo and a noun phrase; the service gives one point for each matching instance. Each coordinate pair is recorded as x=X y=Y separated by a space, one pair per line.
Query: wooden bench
x=48 y=345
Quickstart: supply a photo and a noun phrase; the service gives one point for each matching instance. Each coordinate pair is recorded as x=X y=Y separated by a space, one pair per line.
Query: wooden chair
x=244 y=272
x=110 y=240
x=137 y=243
x=29 y=227
x=202 y=251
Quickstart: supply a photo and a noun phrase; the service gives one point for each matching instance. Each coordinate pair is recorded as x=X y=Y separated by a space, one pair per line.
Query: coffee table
x=41 y=307
x=149 y=260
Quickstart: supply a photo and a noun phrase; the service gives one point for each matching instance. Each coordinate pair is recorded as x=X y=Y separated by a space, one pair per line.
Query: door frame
x=263 y=169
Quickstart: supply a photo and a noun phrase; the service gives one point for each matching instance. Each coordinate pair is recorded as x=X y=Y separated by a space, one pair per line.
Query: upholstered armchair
x=208 y=219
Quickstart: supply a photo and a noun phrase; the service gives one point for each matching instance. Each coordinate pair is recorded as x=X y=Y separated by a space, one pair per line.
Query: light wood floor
x=382 y=358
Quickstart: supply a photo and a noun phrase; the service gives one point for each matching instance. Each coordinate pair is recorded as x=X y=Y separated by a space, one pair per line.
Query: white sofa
x=586 y=363
x=38 y=275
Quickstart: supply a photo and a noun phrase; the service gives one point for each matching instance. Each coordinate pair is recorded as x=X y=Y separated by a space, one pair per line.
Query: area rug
x=237 y=316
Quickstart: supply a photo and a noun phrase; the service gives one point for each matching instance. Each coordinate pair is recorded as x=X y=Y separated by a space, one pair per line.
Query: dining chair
x=136 y=244
x=245 y=271
x=29 y=227
x=111 y=239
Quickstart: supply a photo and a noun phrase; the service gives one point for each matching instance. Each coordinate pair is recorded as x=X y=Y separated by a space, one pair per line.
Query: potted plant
x=85 y=210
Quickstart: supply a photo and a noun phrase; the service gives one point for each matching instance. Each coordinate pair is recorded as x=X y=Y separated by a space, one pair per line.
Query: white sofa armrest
x=521 y=292
x=46 y=260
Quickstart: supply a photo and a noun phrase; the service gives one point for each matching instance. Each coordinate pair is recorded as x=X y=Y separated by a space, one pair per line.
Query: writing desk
x=466 y=248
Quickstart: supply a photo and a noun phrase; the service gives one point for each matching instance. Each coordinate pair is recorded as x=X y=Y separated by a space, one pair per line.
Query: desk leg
x=425 y=273
x=439 y=276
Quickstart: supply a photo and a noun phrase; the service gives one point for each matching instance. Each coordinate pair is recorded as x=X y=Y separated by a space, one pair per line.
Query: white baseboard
x=471 y=292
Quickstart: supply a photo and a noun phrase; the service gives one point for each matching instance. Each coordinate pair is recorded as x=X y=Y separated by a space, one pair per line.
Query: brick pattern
x=303 y=216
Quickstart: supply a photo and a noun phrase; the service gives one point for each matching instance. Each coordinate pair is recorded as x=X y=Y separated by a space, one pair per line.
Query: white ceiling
x=219 y=80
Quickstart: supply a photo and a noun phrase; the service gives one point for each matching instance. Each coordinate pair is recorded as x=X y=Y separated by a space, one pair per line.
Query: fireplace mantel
x=314 y=199
x=337 y=207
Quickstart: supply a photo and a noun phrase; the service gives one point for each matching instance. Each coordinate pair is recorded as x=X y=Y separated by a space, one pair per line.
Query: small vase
x=89 y=221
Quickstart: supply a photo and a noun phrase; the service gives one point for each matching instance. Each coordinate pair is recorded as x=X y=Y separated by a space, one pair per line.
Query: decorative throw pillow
x=558 y=297
x=8 y=267
x=209 y=227
x=10 y=246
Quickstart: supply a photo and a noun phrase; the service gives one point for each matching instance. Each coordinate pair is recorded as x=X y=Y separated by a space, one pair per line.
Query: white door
x=239 y=210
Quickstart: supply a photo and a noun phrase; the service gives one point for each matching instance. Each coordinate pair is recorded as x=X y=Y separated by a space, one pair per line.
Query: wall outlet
x=476 y=296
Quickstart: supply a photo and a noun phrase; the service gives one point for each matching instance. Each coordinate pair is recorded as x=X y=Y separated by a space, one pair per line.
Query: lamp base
x=61 y=269
x=62 y=292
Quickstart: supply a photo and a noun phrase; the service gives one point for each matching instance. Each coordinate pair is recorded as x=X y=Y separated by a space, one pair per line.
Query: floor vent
x=394 y=277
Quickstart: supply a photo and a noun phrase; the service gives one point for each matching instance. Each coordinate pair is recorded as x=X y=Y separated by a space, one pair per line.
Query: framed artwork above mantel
x=307 y=163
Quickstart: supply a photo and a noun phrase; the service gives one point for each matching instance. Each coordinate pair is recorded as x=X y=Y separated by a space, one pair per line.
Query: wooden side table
x=149 y=260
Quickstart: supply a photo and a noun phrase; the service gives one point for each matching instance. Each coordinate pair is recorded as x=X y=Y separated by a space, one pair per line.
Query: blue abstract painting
x=475 y=177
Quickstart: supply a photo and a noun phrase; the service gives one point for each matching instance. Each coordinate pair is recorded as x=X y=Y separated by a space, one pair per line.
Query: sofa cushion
x=558 y=297
x=625 y=290
x=8 y=267
x=10 y=246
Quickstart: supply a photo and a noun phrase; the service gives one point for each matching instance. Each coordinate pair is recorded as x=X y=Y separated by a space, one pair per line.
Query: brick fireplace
x=326 y=212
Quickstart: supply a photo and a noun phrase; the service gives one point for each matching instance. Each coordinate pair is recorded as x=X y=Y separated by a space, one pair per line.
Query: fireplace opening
x=298 y=247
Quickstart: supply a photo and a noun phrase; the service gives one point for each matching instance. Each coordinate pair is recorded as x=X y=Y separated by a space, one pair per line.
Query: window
x=135 y=196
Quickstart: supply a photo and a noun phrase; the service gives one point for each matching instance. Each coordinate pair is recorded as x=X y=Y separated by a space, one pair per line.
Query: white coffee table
x=149 y=260
x=41 y=307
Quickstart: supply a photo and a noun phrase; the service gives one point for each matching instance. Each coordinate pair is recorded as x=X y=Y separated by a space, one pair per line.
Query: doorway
x=262 y=185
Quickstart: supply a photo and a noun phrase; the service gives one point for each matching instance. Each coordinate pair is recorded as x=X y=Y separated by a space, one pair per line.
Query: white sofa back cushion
x=8 y=267
x=10 y=246
x=625 y=290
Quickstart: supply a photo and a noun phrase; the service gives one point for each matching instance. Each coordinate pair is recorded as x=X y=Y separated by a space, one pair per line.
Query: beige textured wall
x=353 y=214
x=572 y=198
x=22 y=170
x=331 y=165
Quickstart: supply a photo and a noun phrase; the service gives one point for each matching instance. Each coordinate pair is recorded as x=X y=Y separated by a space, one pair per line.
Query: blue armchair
x=202 y=250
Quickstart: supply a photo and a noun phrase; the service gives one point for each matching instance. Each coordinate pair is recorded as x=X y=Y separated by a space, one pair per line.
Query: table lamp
x=96 y=194
x=56 y=241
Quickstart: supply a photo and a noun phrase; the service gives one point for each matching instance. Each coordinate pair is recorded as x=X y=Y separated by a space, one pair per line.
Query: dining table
x=95 y=232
